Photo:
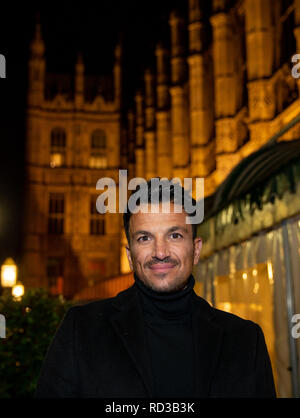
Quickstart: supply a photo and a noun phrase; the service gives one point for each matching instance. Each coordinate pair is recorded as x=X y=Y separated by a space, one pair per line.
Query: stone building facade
x=73 y=139
x=221 y=87
x=220 y=91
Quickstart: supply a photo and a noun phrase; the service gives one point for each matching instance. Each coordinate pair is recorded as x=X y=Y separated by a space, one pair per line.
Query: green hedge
x=30 y=327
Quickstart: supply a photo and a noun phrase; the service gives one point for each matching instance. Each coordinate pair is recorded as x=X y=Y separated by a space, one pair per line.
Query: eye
x=176 y=235
x=143 y=238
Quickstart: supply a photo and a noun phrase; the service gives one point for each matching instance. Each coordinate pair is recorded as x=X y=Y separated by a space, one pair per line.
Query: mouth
x=162 y=267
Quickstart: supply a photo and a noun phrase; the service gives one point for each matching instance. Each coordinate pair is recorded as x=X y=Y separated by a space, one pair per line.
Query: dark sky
x=92 y=27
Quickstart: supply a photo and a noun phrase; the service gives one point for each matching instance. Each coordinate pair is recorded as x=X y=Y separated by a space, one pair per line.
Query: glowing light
x=270 y=272
x=98 y=161
x=255 y=307
x=256 y=287
x=226 y=306
x=56 y=160
x=244 y=276
x=18 y=291
x=254 y=272
x=8 y=273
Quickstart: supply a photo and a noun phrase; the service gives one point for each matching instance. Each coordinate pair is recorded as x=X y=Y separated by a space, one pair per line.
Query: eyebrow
x=141 y=232
x=178 y=227
x=172 y=229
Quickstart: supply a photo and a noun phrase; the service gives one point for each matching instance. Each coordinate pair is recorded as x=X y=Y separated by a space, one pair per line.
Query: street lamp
x=8 y=273
x=18 y=291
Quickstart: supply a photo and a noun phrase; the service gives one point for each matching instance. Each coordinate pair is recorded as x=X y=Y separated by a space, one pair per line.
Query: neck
x=166 y=305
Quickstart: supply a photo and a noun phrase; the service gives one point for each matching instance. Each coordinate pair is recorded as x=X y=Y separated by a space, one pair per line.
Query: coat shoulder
x=100 y=306
x=234 y=323
x=226 y=320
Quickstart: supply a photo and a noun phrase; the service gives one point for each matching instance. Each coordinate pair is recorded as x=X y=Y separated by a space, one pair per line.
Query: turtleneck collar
x=166 y=305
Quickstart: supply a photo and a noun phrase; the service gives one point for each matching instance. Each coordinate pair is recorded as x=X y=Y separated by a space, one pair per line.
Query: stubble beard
x=168 y=288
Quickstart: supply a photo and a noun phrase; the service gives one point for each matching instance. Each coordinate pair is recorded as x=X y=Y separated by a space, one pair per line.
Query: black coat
x=99 y=351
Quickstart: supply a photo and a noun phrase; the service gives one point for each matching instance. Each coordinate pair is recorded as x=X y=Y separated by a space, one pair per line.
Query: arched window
x=57 y=147
x=98 y=157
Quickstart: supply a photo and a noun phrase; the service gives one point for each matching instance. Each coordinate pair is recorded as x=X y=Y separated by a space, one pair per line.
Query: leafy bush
x=30 y=327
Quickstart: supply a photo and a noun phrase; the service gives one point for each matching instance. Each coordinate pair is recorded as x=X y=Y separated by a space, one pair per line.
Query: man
x=157 y=338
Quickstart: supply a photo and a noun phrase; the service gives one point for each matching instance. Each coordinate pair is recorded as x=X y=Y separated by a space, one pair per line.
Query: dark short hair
x=177 y=193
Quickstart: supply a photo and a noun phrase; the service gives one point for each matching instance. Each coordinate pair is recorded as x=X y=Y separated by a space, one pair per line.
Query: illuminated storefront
x=251 y=252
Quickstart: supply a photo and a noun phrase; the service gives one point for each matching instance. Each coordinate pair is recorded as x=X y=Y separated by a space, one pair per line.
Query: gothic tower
x=179 y=98
x=73 y=140
x=163 y=114
x=201 y=97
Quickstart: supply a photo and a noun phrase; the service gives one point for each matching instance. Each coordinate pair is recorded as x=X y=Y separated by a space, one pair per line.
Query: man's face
x=162 y=251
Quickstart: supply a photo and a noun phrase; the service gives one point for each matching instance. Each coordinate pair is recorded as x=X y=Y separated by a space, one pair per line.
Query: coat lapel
x=128 y=324
x=207 y=338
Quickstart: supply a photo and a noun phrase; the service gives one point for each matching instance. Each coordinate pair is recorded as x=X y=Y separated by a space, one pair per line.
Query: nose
x=160 y=249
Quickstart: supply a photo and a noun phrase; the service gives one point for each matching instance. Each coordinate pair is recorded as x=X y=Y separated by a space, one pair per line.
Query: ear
x=197 y=249
x=128 y=252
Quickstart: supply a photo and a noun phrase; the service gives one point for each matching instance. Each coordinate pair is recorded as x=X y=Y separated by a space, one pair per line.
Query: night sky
x=92 y=28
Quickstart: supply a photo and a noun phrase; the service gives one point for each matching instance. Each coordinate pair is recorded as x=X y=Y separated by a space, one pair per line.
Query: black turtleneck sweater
x=168 y=326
